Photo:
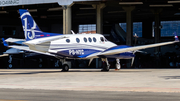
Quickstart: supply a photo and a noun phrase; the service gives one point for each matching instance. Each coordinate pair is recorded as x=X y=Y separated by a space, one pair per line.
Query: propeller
x=134 y=53
x=132 y=61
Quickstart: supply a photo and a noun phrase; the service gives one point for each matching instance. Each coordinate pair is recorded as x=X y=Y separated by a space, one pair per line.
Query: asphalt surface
x=56 y=95
x=139 y=80
x=89 y=85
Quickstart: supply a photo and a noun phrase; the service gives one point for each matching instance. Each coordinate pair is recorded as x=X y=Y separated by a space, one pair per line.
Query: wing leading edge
x=116 y=50
x=120 y=49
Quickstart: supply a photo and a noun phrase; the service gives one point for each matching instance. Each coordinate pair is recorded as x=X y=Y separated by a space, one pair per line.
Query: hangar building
x=154 y=20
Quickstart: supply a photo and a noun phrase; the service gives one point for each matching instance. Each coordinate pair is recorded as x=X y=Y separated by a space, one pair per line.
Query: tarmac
x=133 y=80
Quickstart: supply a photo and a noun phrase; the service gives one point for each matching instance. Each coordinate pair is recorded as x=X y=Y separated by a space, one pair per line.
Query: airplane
x=75 y=46
x=13 y=51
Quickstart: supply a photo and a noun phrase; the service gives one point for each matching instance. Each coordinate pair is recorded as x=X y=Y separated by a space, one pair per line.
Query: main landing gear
x=105 y=64
x=65 y=65
x=118 y=65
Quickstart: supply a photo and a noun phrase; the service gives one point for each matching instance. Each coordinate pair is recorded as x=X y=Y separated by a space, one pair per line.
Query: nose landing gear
x=118 y=65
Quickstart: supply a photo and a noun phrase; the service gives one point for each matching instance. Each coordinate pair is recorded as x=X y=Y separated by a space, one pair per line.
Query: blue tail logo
x=31 y=30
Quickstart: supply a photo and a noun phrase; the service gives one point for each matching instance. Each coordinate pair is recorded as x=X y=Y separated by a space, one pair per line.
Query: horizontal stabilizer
x=14 y=40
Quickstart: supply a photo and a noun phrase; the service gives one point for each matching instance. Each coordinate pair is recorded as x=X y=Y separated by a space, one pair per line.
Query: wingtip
x=176 y=38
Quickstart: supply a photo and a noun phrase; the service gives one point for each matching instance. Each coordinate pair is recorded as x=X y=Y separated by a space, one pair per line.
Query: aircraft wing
x=118 y=49
x=27 y=49
x=14 y=40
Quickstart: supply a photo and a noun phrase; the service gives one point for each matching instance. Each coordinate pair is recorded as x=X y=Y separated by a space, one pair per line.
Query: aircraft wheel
x=65 y=68
x=118 y=66
x=105 y=67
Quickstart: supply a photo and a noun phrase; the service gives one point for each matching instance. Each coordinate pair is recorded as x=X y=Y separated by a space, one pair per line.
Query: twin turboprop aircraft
x=75 y=46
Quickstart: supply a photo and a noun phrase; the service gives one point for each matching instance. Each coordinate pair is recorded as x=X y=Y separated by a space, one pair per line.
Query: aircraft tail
x=31 y=29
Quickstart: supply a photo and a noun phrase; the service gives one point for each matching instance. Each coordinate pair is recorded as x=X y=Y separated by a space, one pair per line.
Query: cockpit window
x=90 y=40
x=67 y=40
x=77 y=40
x=102 y=39
x=105 y=39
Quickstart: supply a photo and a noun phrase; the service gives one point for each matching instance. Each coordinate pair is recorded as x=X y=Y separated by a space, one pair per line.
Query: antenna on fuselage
x=72 y=32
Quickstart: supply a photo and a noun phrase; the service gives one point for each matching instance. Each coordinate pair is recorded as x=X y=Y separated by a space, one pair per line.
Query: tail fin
x=31 y=30
x=4 y=42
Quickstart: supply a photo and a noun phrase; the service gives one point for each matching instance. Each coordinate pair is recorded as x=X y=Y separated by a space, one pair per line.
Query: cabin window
x=90 y=40
x=77 y=40
x=94 y=39
x=67 y=40
x=85 y=39
x=102 y=39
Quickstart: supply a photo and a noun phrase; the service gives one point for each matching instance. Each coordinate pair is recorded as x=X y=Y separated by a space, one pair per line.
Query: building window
x=87 y=28
x=168 y=28
x=137 y=28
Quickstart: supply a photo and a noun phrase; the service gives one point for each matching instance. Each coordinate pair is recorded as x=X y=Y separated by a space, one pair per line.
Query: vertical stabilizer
x=31 y=30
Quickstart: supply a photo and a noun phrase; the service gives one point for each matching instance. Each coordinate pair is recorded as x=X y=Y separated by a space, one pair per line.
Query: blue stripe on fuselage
x=77 y=53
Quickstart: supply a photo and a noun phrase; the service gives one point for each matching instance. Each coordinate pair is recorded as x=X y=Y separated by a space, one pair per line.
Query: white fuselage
x=80 y=44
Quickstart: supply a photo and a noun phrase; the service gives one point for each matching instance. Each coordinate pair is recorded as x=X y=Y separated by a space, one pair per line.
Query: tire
x=65 y=68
